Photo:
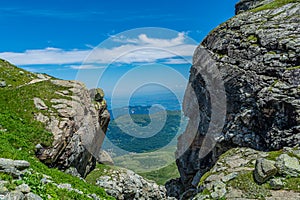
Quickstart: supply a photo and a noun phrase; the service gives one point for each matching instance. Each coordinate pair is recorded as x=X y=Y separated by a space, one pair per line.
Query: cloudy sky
x=101 y=42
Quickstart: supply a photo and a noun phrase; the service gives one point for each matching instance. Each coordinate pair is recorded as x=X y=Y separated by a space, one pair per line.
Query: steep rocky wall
x=75 y=124
x=257 y=56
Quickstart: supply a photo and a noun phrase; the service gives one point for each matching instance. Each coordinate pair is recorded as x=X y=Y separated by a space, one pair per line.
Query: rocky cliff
x=243 y=89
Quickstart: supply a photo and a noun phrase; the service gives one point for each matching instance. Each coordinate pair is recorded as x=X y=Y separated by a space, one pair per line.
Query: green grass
x=245 y=182
x=162 y=175
x=274 y=154
x=143 y=162
x=292 y=184
x=14 y=76
x=274 y=4
x=252 y=38
x=97 y=172
x=19 y=132
x=293 y=68
x=204 y=177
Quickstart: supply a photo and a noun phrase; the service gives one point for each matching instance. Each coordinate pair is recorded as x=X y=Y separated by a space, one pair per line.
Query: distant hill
x=130 y=143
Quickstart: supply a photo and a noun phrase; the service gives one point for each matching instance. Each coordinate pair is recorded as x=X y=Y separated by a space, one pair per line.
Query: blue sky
x=98 y=42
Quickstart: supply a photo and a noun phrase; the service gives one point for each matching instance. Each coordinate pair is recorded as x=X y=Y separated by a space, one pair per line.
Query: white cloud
x=131 y=50
x=85 y=67
x=177 y=61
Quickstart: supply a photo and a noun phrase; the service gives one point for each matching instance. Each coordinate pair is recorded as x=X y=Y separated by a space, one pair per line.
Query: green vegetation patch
x=273 y=155
x=250 y=188
x=100 y=170
x=144 y=162
x=293 y=68
x=252 y=38
x=274 y=4
x=292 y=184
x=162 y=175
x=13 y=75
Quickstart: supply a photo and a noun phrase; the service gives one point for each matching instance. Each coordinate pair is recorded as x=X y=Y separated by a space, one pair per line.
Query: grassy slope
x=19 y=133
x=145 y=162
x=162 y=175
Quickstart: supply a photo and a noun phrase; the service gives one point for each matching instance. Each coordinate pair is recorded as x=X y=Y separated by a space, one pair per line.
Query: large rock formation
x=243 y=88
x=75 y=124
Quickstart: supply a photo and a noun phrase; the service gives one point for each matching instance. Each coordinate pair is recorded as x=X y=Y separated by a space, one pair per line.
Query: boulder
x=32 y=196
x=104 y=158
x=24 y=188
x=264 y=170
x=74 y=122
x=276 y=184
x=14 y=167
x=16 y=195
x=288 y=165
x=39 y=104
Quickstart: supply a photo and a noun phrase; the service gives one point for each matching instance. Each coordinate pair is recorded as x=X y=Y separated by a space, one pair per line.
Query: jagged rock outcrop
x=243 y=88
x=75 y=124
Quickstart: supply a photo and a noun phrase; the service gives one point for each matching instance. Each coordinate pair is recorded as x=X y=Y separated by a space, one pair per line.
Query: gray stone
x=3 y=190
x=276 y=184
x=104 y=158
x=73 y=171
x=39 y=104
x=2 y=84
x=24 y=188
x=230 y=176
x=94 y=197
x=264 y=170
x=288 y=165
x=66 y=186
x=32 y=196
x=21 y=164
x=219 y=190
x=13 y=167
x=15 y=195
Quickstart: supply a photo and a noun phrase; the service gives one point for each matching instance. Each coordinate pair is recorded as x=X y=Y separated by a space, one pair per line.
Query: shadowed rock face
x=75 y=125
x=256 y=55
